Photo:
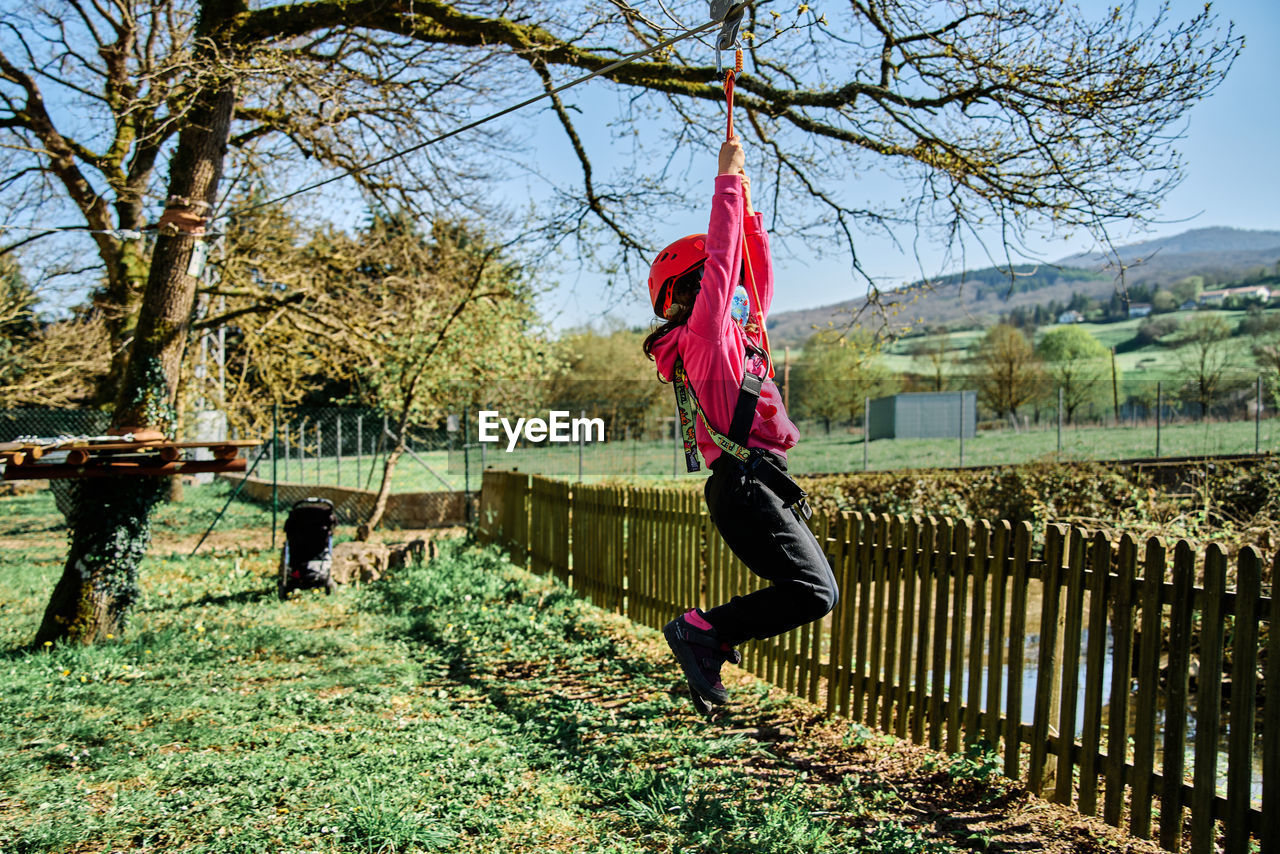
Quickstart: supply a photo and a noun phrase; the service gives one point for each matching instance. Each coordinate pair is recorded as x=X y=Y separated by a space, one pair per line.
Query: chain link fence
x=342 y=453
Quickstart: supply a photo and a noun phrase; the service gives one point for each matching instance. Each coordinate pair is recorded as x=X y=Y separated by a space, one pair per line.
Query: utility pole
x=1115 y=387
x=786 y=379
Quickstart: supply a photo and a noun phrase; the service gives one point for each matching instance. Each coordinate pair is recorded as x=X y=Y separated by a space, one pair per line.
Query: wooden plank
x=1001 y=543
x=955 y=681
x=1072 y=627
x=1270 y=837
x=924 y=569
x=863 y=586
x=1208 y=703
x=1244 y=690
x=977 y=630
x=1017 y=643
x=1121 y=667
x=850 y=594
x=813 y=667
x=875 y=652
x=942 y=589
x=835 y=661
x=1046 y=661
x=1144 y=725
x=907 y=574
x=122 y=469
x=892 y=584
x=1095 y=667
x=1175 y=704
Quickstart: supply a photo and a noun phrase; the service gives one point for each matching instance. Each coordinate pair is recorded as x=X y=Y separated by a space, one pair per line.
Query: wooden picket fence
x=931 y=608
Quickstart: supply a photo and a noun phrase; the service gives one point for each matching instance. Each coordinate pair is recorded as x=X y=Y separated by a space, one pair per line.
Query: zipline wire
x=626 y=60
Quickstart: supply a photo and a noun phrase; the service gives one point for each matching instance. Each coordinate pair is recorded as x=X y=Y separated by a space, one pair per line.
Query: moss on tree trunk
x=110 y=527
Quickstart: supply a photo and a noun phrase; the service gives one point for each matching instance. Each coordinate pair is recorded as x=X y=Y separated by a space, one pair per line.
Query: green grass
x=842 y=451
x=822 y=453
x=459 y=706
x=1154 y=362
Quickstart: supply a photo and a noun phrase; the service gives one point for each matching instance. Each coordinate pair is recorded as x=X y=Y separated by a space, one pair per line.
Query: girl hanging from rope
x=713 y=291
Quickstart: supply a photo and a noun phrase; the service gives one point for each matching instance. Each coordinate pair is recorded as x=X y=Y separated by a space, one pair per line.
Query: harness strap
x=744 y=412
x=688 y=409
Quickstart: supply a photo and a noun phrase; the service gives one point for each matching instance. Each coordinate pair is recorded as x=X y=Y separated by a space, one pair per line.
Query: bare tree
x=934 y=353
x=1207 y=359
x=985 y=115
x=1008 y=372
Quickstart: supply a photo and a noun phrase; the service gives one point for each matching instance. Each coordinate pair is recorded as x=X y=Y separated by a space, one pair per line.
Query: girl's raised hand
x=732 y=159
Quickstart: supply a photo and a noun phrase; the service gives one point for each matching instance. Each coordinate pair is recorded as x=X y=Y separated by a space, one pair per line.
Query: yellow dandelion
x=48 y=643
x=66 y=673
x=111 y=637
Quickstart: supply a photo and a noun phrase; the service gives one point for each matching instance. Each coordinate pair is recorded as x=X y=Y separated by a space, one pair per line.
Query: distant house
x=1245 y=292
x=1189 y=305
x=1139 y=309
x=1070 y=316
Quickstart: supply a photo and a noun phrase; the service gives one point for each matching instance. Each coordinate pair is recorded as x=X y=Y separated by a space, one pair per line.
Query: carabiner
x=729 y=13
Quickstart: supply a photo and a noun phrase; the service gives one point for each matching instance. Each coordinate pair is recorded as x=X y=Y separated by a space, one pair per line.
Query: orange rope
x=746 y=259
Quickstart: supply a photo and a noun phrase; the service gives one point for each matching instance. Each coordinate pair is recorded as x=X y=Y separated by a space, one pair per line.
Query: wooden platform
x=35 y=460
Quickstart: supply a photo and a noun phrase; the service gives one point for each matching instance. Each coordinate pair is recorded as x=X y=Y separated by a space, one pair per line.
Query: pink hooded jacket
x=712 y=345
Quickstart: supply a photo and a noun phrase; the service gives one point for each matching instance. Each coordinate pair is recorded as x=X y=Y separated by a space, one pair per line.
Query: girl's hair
x=684 y=291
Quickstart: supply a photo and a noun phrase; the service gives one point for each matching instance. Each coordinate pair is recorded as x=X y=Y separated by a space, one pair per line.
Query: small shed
x=924 y=415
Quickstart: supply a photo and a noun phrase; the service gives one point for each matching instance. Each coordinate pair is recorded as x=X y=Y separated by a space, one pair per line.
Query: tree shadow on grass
x=243 y=597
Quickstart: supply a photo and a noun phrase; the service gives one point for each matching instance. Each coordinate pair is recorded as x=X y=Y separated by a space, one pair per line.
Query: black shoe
x=701 y=655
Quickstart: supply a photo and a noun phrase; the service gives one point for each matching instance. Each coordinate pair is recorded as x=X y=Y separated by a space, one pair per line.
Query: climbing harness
x=756 y=462
x=735 y=443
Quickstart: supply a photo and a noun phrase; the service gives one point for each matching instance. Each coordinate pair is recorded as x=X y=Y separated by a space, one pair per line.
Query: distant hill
x=981 y=296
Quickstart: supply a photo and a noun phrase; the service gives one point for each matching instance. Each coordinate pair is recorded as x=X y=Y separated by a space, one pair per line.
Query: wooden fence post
x=1046 y=657
x=1017 y=634
x=1144 y=734
x=1122 y=647
x=955 y=682
x=1175 y=715
x=1271 y=720
x=1062 y=792
x=999 y=592
x=1095 y=662
x=926 y=564
x=908 y=604
x=942 y=586
x=1208 y=703
x=1244 y=688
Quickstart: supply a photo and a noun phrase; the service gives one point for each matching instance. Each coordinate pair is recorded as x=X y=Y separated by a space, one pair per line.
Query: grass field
x=462 y=706
x=1154 y=362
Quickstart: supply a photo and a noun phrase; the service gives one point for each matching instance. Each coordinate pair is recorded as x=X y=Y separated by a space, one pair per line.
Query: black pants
x=774 y=544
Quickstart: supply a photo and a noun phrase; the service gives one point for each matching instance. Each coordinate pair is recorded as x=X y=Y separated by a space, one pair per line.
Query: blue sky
x=1232 y=179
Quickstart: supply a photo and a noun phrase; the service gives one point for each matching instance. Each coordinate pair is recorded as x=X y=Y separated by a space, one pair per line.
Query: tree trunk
x=110 y=517
x=110 y=532
x=384 y=491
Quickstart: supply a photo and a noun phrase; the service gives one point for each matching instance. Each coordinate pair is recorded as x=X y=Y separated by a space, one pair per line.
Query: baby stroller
x=308 y=547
